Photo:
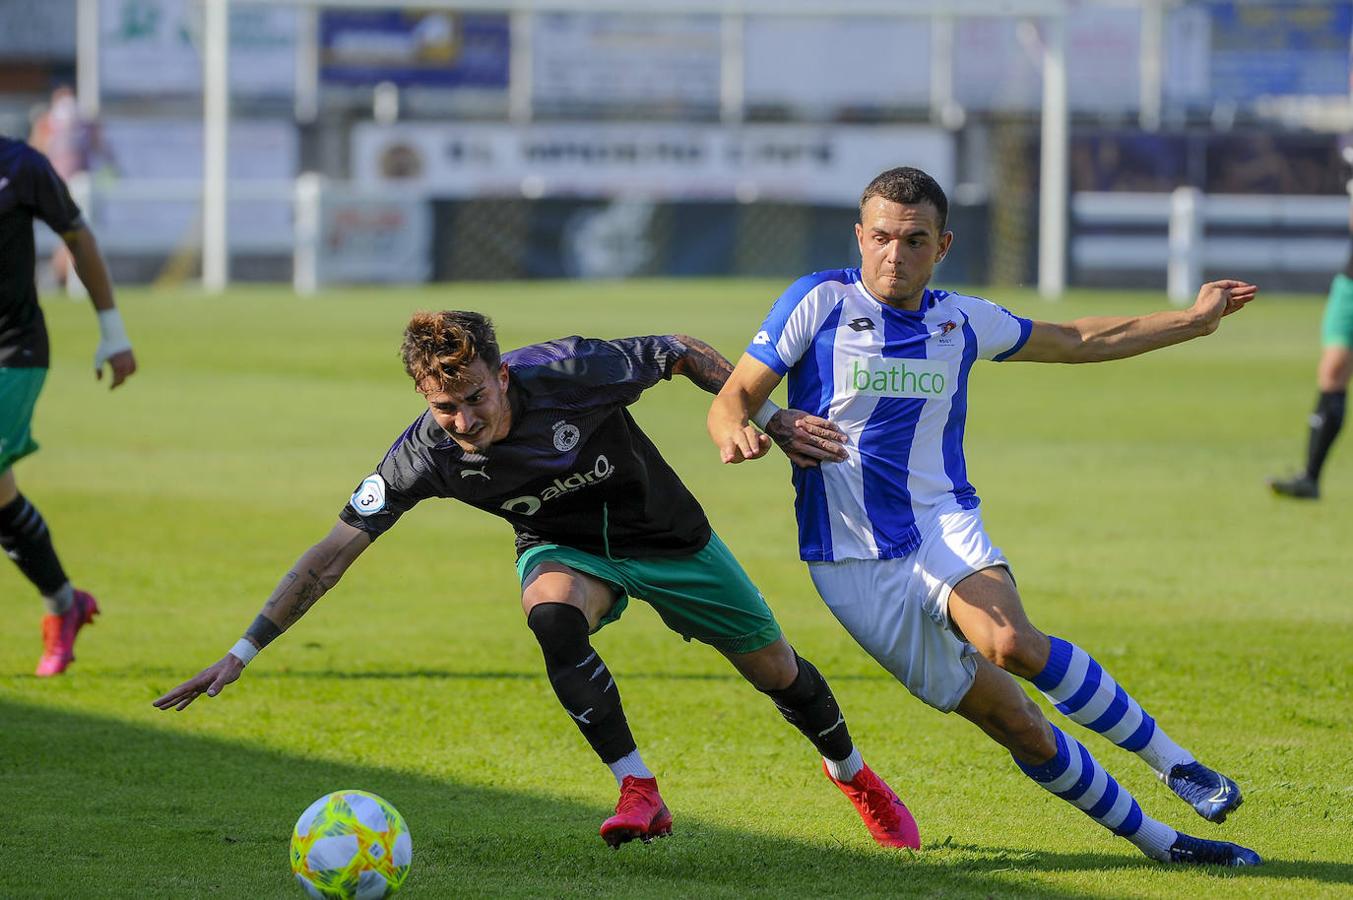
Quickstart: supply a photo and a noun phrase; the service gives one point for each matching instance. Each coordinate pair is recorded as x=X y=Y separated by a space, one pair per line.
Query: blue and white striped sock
x=1086 y=695
x=1075 y=776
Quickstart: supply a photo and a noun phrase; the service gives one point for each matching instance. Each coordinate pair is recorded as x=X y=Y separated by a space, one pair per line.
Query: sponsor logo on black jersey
x=530 y=504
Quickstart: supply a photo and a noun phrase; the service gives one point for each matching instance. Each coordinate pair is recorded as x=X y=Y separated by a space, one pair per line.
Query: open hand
x=209 y=681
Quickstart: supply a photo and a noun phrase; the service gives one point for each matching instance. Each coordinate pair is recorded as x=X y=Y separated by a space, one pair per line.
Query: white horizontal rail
x=1126 y=208
x=1183 y=246
x=154 y=216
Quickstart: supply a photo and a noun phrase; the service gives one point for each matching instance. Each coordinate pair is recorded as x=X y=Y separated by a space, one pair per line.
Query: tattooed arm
x=318 y=569
x=807 y=440
x=702 y=364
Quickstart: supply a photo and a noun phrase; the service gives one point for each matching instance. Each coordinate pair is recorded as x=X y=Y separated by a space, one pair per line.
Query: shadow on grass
x=283 y=672
x=101 y=807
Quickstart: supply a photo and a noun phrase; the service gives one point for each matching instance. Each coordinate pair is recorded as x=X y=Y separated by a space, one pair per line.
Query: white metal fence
x=1186 y=233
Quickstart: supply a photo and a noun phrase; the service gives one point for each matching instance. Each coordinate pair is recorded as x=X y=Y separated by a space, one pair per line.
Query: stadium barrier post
x=1185 y=268
x=305 y=257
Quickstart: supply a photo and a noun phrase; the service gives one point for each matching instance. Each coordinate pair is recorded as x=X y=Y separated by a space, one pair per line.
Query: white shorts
x=898 y=609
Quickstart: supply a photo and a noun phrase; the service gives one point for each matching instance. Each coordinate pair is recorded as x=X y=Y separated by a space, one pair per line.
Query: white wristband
x=112 y=337
x=764 y=414
x=244 y=650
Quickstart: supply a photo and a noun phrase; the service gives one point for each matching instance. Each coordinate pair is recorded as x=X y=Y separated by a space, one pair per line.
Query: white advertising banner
x=371 y=237
x=154 y=47
x=801 y=163
x=816 y=64
x=608 y=58
x=998 y=63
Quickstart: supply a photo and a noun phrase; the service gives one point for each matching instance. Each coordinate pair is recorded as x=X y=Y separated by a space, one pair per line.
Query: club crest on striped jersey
x=369 y=498
x=894 y=377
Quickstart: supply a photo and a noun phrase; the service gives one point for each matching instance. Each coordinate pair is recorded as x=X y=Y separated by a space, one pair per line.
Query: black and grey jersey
x=575 y=469
x=29 y=189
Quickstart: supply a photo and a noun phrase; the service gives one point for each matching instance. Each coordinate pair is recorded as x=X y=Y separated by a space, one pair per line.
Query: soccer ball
x=351 y=845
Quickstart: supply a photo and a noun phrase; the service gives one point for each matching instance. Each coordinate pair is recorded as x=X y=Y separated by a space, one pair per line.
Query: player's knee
x=560 y=628
x=1019 y=651
x=772 y=668
x=545 y=591
x=1007 y=649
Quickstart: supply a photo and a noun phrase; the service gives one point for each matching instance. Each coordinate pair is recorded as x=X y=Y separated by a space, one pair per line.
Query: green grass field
x=1129 y=497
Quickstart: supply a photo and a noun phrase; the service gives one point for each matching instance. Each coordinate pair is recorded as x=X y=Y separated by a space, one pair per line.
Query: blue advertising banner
x=1282 y=49
x=414 y=49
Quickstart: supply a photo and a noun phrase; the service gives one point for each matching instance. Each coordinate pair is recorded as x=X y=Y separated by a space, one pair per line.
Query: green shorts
x=1336 y=329
x=19 y=389
x=706 y=596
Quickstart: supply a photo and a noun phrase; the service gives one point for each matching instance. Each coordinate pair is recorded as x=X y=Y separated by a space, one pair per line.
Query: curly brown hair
x=439 y=346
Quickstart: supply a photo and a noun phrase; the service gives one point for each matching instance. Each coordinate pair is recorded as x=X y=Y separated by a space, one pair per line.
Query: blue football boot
x=1199 y=852
x=1211 y=793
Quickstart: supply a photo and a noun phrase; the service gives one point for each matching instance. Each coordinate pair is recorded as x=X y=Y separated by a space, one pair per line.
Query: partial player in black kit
x=31 y=189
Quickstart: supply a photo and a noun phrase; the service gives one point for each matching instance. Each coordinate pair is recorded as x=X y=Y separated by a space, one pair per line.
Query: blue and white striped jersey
x=896 y=382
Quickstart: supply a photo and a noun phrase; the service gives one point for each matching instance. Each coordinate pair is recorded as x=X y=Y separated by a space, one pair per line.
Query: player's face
x=474 y=412
x=900 y=243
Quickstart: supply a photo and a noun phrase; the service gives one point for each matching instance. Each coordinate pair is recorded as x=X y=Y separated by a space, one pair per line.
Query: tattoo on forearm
x=282 y=590
x=307 y=595
x=704 y=365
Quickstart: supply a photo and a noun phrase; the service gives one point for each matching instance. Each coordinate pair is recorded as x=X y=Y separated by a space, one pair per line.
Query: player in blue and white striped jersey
x=878 y=366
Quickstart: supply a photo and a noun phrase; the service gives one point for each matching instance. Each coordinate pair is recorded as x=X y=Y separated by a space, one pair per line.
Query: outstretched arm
x=806 y=439
x=706 y=367
x=318 y=570
x=114 y=346
x=1102 y=338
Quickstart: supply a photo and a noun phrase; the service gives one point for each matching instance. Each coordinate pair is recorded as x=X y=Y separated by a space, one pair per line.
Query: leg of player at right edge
x=25 y=540
x=1087 y=695
x=1060 y=764
x=987 y=608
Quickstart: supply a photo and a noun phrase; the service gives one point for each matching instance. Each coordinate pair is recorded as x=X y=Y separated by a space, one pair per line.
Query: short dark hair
x=441 y=345
x=907 y=185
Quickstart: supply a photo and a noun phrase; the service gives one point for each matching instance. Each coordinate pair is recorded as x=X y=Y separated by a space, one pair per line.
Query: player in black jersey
x=1332 y=376
x=30 y=189
x=541 y=437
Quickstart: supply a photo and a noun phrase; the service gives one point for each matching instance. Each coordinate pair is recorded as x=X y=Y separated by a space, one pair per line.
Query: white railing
x=335 y=232
x=1292 y=234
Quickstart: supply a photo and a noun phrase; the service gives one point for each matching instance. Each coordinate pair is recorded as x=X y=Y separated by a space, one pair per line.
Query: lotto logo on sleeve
x=883 y=377
x=369 y=498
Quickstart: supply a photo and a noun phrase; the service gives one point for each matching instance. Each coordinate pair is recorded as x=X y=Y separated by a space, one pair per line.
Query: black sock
x=1326 y=421
x=581 y=680
x=809 y=706
x=25 y=538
